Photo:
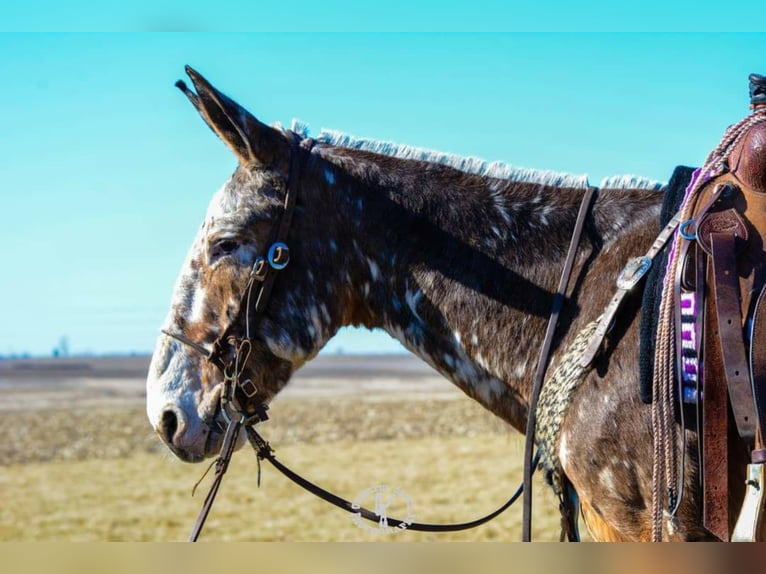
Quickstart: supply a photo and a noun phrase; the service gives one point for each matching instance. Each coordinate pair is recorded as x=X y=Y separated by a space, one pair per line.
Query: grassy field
x=147 y=497
x=72 y=473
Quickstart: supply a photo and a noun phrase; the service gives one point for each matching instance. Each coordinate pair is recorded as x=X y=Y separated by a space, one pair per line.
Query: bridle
x=260 y=283
x=246 y=414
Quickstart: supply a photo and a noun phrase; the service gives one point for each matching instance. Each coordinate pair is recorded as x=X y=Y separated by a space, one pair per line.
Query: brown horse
x=457 y=259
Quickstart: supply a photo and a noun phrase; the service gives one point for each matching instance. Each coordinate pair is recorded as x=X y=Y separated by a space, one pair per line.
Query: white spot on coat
x=544 y=214
x=483 y=363
x=501 y=207
x=374 y=269
x=606 y=478
x=563 y=451
x=412 y=299
x=325 y=313
x=198 y=305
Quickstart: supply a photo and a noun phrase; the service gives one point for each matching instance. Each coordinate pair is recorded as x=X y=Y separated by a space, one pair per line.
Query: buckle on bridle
x=248 y=388
x=227 y=401
x=633 y=272
x=258 y=272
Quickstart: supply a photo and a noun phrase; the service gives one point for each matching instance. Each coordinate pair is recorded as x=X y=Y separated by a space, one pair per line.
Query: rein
x=569 y=515
x=264 y=452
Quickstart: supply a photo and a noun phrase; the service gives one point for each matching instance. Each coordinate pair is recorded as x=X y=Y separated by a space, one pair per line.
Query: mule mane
x=473 y=165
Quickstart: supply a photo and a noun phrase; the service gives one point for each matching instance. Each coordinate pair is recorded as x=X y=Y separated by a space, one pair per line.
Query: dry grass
x=80 y=462
x=78 y=434
x=146 y=496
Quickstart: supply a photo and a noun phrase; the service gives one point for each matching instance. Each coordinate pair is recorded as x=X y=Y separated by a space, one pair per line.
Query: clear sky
x=106 y=170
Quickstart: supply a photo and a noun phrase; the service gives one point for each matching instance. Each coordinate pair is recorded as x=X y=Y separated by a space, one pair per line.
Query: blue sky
x=106 y=170
x=389 y=16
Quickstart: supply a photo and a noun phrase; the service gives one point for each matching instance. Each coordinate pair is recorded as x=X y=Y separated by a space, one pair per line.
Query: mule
x=456 y=258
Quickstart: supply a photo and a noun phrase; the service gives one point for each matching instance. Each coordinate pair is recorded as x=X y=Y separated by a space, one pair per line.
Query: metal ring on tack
x=273 y=253
x=684 y=233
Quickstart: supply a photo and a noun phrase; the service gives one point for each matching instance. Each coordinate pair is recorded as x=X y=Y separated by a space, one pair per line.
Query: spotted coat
x=456 y=258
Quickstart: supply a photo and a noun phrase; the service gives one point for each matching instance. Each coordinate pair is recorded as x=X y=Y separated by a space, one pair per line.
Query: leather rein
x=230 y=354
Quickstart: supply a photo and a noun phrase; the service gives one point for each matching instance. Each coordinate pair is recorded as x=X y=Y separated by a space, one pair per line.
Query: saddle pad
x=650 y=305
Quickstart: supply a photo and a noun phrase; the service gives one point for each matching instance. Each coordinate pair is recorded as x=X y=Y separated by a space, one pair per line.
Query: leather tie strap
x=715 y=431
x=725 y=365
x=722 y=249
x=758 y=362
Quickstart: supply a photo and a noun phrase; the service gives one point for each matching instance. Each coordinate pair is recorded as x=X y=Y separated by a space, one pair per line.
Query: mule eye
x=223 y=247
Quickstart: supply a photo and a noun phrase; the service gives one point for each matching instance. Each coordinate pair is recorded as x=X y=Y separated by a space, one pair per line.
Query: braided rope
x=555 y=398
x=665 y=446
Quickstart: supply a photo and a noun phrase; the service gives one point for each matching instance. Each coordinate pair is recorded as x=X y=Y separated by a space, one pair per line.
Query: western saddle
x=719 y=288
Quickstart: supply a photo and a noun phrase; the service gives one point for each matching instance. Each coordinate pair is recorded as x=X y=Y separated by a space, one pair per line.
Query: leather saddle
x=723 y=263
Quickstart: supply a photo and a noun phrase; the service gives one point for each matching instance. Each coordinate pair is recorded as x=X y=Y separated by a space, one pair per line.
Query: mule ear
x=253 y=142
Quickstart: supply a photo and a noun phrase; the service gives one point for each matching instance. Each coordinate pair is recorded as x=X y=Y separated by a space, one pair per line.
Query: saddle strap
x=758 y=361
x=729 y=315
x=715 y=431
x=630 y=276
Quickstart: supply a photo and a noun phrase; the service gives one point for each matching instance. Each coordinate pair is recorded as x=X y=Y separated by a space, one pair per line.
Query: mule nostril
x=168 y=426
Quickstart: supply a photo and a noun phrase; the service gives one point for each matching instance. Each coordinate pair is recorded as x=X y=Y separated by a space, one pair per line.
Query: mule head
x=183 y=388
